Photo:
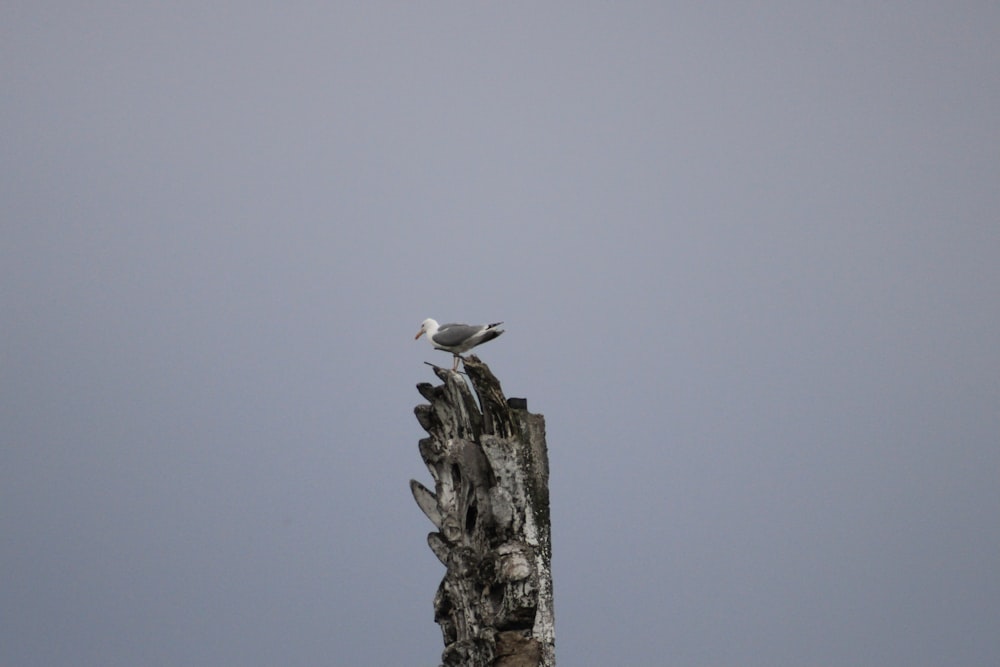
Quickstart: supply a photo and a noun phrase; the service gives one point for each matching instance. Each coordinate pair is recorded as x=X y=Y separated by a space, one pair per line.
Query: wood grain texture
x=490 y=505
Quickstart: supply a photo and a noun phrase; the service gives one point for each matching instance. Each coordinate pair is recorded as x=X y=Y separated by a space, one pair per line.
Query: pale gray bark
x=490 y=505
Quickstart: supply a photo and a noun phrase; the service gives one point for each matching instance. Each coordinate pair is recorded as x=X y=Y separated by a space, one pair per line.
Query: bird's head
x=425 y=328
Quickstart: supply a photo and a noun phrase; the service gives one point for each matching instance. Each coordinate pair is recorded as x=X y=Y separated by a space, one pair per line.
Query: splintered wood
x=490 y=508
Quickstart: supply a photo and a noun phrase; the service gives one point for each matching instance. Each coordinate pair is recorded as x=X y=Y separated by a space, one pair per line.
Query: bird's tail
x=490 y=334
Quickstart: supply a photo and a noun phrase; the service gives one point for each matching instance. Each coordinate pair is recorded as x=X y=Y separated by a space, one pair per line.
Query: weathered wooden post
x=490 y=506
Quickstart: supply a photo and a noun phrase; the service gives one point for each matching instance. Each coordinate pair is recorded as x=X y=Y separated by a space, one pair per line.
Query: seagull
x=458 y=338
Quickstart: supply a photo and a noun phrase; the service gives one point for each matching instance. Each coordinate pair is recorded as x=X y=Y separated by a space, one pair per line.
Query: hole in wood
x=471 y=515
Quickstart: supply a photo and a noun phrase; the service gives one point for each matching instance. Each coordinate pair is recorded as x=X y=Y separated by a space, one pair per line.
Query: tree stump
x=490 y=506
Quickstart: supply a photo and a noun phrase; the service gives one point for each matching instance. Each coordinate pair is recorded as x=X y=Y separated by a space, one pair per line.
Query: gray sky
x=748 y=255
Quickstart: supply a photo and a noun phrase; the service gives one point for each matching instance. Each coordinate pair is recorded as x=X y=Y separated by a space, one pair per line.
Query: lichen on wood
x=490 y=506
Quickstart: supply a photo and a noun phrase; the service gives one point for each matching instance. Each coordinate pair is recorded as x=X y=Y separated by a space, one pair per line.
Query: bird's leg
x=454 y=366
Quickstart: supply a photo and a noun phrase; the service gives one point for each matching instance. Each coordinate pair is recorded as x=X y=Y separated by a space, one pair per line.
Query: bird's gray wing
x=455 y=334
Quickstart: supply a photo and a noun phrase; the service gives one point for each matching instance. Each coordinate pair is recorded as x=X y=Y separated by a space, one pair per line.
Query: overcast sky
x=748 y=257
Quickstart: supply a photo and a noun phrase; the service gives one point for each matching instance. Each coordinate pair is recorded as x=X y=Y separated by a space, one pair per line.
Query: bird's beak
x=419 y=334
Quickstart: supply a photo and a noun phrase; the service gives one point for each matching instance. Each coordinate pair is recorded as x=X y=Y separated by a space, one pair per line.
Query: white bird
x=458 y=338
